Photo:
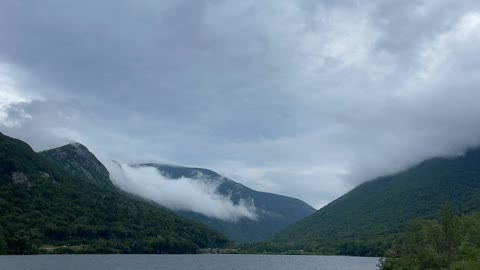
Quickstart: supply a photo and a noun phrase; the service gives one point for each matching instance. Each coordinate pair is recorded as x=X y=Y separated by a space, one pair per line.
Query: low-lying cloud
x=185 y=194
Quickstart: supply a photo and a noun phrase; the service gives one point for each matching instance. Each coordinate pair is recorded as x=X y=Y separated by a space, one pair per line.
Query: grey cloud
x=323 y=94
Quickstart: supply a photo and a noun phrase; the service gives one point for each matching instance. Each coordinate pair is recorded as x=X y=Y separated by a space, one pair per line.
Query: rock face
x=20 y=179
x=77 y=159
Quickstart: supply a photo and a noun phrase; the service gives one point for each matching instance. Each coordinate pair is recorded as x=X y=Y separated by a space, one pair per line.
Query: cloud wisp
x=186 y=194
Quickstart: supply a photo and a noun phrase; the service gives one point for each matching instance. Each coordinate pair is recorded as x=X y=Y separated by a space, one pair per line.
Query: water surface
x=185 y=262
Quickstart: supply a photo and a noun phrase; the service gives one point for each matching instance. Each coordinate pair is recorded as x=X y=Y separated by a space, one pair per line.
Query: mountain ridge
x=274 y=211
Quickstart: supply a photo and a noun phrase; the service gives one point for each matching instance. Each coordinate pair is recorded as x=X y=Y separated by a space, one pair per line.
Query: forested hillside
x=366 y=220
x=44 y=208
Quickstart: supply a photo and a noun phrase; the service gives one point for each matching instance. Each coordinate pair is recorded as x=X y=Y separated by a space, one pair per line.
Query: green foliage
x=449 y=243
x=269 y=248
x=353 y=248
x=367 y=219
x=55 y=211
x=3 y=242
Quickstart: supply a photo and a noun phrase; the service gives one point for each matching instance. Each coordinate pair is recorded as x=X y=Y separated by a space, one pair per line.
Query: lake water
x=185 y=262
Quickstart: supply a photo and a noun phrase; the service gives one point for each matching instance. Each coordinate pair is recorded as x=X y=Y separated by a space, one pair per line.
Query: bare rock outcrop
x=20 y=179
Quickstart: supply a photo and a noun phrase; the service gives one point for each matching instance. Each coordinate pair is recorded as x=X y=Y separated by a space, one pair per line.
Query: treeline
x=26 y=242
x=353 y=248
x=449 y=243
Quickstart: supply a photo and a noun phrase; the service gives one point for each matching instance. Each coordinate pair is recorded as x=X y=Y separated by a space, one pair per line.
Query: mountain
x=366 y=220
x=274 y=212
x=79 y=161
x=46 y=208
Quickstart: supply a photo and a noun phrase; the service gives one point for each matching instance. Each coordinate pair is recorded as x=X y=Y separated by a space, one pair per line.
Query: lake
x=185 y=262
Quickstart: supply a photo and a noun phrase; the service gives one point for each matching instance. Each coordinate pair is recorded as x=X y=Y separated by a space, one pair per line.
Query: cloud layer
x=304 y=98
x=185 y=194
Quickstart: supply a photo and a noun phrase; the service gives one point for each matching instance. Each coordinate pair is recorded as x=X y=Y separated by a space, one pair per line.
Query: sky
x=303 y=98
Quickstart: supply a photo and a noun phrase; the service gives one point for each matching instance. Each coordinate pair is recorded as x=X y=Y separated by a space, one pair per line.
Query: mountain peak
x=176 y=171
x=76 y=158
x=76 y=144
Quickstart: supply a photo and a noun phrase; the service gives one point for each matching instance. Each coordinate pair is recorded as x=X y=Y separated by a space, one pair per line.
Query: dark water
x=184 y=262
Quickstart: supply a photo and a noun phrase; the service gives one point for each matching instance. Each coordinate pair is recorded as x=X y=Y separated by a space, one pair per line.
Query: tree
x=21 y=243
x=449 y=243
x=3 y=243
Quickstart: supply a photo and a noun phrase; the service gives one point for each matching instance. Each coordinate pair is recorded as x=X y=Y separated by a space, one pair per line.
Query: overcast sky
x=302 y=98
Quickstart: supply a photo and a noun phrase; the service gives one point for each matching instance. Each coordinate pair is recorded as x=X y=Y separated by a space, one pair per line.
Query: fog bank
x=184 y=194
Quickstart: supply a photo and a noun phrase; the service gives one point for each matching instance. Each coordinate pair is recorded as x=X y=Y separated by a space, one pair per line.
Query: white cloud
x=186 y=194
x=10 y=97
